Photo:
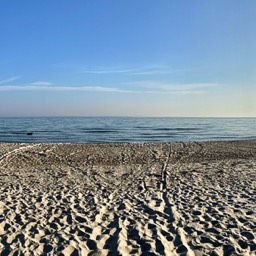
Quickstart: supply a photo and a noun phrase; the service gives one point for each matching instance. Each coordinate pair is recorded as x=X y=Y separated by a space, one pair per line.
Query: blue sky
x=128 y=58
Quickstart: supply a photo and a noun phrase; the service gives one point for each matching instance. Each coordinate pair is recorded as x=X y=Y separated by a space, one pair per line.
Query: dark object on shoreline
x=29 y=133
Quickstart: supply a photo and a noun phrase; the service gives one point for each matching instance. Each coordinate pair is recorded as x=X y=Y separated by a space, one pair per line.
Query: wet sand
x=128 y=199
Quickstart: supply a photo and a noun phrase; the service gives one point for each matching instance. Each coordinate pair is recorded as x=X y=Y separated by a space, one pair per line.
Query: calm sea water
x=120 y=129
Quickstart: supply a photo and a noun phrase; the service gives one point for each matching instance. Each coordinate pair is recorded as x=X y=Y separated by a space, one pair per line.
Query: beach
x=178 y=198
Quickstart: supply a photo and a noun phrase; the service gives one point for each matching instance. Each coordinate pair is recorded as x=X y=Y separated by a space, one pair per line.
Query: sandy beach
x=128 y=199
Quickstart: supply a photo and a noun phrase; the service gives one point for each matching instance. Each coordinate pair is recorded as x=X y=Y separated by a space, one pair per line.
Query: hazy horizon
x=128 y=58
x=127 y=116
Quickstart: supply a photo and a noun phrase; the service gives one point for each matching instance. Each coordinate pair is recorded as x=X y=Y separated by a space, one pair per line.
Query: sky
x=128 y=58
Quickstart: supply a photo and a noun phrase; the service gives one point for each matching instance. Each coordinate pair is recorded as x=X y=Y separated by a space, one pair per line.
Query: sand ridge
x=128 y=199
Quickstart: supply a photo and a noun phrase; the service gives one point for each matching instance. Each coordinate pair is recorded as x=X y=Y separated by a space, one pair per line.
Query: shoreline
x=130 y=143
x=173 y=198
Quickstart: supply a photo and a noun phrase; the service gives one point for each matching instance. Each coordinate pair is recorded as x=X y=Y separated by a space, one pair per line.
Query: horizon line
x=118 y=116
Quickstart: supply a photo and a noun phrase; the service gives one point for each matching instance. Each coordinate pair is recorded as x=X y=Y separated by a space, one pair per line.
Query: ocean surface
x=125 y=129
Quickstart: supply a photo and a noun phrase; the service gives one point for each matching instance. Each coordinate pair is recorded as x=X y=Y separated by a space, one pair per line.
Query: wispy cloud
x=147 y=70
x=106 y=71
x=139 y=87
x=11 y=79
x=63 y=88
x=146 y=88
x=156 y=85
x=41 y=83
x=161 y=70
x=173 y=88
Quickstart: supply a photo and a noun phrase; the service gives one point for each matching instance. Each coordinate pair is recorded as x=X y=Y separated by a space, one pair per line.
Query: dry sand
x=128 y=199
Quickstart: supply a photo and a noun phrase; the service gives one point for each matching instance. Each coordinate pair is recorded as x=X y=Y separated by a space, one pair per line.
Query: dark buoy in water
x=29 y=133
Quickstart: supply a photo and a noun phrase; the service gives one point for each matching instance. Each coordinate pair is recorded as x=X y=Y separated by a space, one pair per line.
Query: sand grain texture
x=128 y=199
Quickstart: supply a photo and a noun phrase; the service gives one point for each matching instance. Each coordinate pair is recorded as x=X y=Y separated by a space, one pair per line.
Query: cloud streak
x=139 y=87
x=150 y=70
x=63 y=88
x=189 y=89
x=172 y=87
x=41 y=83
x=107 y=71
x=11 y=79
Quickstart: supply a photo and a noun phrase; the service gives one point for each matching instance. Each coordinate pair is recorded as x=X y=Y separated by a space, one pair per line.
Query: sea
x=124 y=129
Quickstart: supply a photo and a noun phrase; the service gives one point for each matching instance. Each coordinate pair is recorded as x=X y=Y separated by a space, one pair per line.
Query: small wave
x=88 y=130
x=49 y=131
x=158 y=136
x=142 y=127
x=99 y=131
x=176 y=129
